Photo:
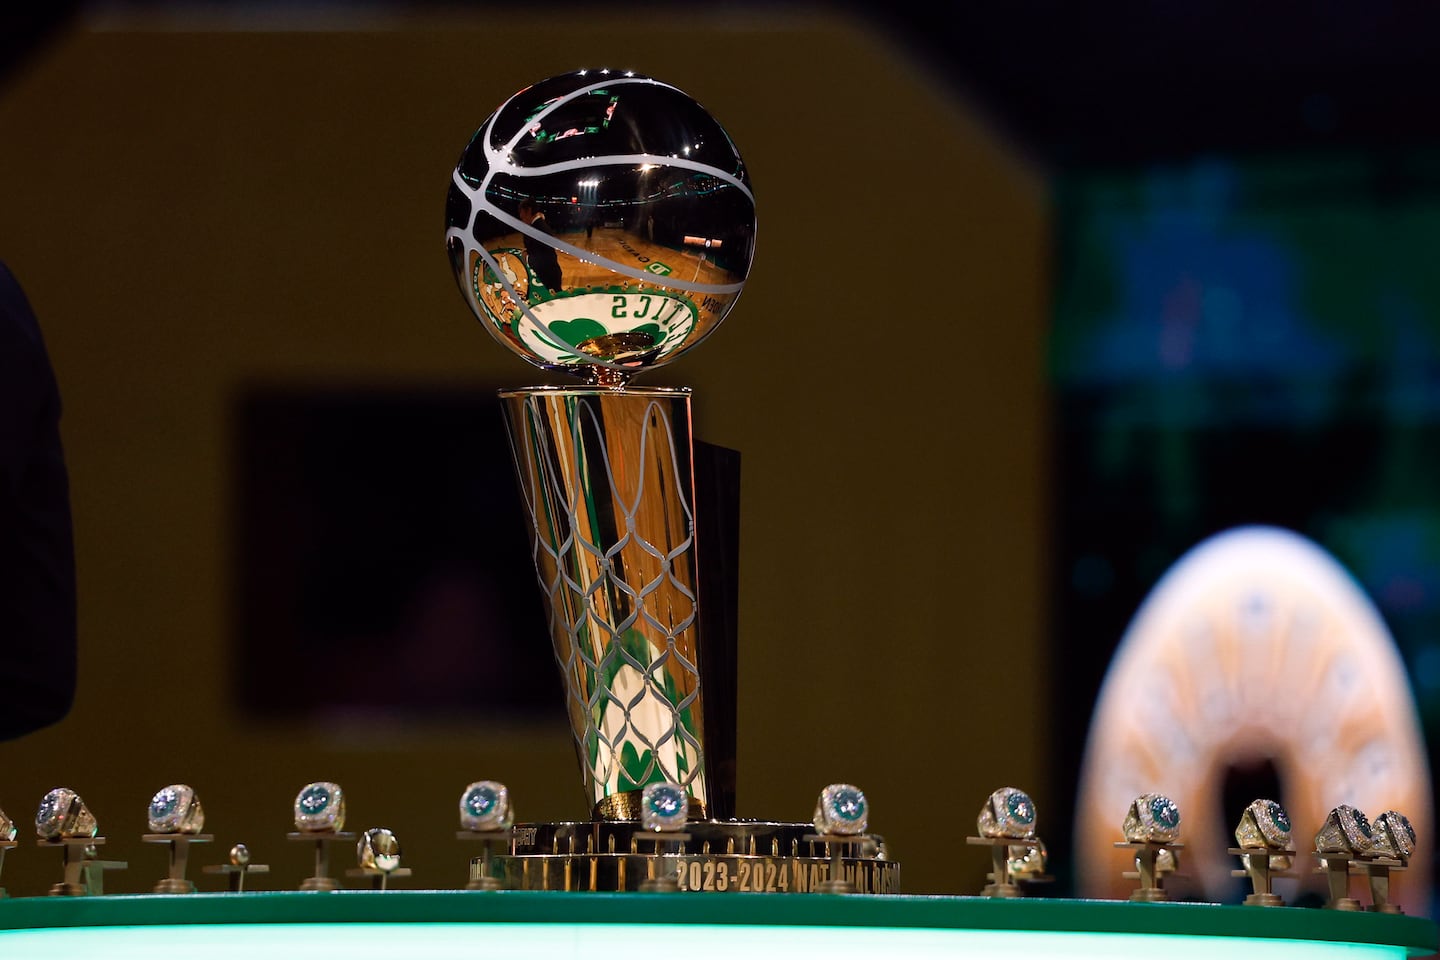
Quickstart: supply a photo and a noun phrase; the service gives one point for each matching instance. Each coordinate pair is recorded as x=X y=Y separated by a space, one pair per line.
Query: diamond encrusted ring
x=1263 y=826
x=1346 y=831
x=7 y=828
x=1008 y=812
x=63 y=815
x=320 y=807
x=485 y=806
x=378 y=849
x=1394 y=836
x=841 y=810
x=175 y=809
x=1152 y=818
x=664 y=807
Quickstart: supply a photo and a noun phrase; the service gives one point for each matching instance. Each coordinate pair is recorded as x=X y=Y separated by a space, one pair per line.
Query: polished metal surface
x=600 y=222
x=739 y=856
x=607 y=478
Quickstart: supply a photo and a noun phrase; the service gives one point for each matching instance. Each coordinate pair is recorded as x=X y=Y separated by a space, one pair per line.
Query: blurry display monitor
x=383 y=569
x=1234 y=341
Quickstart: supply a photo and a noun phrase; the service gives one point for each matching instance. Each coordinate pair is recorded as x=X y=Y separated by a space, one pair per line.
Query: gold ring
x=1027 y=861
x=378 y=850
x=175 y=809
x=320 y=807
x=1263 y=826
x=63 y=815
x=1152 y=818
x=841 y=810
x=485 y=806
x=664 y=807
x=1346 y=831
x=1394 y=836
x=7 y=828
x=1008 y=812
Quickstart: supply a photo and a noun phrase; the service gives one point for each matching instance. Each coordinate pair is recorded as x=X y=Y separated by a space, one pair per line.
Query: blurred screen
x=1244 y=341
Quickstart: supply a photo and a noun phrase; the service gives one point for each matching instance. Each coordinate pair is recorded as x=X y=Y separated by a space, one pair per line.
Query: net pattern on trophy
x=608 y=484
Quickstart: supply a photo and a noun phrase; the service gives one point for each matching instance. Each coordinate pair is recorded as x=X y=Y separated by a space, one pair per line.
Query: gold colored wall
x=192 y=210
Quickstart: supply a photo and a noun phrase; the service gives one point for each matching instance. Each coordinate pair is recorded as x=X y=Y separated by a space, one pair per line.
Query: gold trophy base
x=718 y=856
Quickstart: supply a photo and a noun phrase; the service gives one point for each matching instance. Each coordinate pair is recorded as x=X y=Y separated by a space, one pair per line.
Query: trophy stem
x=608 y=480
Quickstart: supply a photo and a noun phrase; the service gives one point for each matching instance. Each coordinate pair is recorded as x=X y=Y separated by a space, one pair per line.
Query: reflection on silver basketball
x=600 y=222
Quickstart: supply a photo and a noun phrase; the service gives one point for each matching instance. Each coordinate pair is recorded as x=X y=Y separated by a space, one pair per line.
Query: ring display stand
x=837 y=845
x=4 y=846
x=84 y=872
x=1336 y=867
x=236 y=873
x=378 y=879
x=322 y=839
x=664 y=852
x=1377 y=871
x=1001 y=884
x=179 y=844
x=1152 y=883
x=1259 y=866
x=482 y=874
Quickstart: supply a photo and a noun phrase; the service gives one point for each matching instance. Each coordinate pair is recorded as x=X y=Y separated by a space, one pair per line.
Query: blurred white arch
x=1256 y=645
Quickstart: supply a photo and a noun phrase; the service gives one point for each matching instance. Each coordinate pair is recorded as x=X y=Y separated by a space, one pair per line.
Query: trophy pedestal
x=719 y=856
x=321 y=880
x=664 y=849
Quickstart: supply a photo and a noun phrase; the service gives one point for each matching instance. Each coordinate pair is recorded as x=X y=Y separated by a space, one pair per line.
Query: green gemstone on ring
x=481 y=800
x=1165 y=812
x=1020 y=807
x=1278 y=815
x=1362 y=822
x=164 y=803
x=314 y=799
x=848 y=804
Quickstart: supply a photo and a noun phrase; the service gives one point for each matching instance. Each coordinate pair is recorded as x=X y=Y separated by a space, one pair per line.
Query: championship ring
x=176 y=809
x=1263 y=826
x=841 y=810
x=378 y=849
x=1346 y=831
x=63 y=815
x=664 y=807
x=485 y=806
x=1027 y=861
x=1007 y=813
x=319 y=808
x=1393 y=836
x=1152 y=818
x=7 y=828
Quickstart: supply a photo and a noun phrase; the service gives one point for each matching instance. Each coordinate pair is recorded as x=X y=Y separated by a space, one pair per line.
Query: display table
x=355 y=924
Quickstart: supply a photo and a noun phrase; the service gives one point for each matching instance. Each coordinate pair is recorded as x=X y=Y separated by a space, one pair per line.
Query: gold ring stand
x=84 y=873
x=482 y=874
x=665 y=847
x=321 y=880
x=1152 y=882
x=236 y=873
x=1376 y=871
x=1259 y=866
x=179 y=844
x=5 y=845
x=838 y=845
x=1002 y=882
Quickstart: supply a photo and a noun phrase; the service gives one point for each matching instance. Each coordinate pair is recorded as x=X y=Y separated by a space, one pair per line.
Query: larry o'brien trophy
x=601 y=223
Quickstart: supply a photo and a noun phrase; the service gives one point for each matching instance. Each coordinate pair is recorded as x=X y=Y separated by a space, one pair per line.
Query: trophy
x=601 y=223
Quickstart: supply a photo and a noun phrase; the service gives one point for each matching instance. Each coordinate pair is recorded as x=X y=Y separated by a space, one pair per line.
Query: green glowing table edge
x=1416 y=934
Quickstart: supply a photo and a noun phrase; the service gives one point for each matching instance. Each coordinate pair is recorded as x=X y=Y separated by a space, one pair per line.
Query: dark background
x=1097 y=96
